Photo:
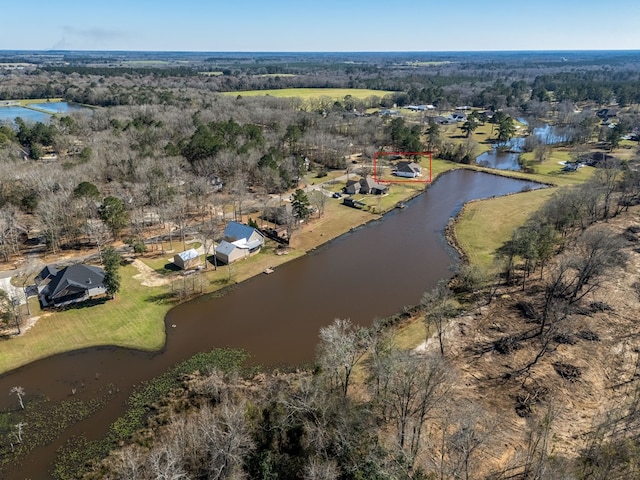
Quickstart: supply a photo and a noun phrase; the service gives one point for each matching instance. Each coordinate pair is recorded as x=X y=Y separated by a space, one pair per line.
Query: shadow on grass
x=162 y=298
x=168 y=268
x=92 y=302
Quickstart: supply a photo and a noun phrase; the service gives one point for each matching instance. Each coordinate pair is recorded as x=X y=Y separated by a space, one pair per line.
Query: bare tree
x=9 y=231
x=596 y=252
x=342 y=344
x=466 y=443
x=439 y=308
x=411 y=386
x=19 y=429
x=321 y=469
x=318 y=200
x=19 y=392
x=536 y=461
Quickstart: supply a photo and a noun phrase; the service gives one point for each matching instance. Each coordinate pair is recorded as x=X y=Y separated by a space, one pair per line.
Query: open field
x=484 y=225
x=309 y=93
x=31 y=101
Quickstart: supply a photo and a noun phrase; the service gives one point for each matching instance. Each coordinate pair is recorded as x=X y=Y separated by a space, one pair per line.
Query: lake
x=510 y=160
x=9 y=114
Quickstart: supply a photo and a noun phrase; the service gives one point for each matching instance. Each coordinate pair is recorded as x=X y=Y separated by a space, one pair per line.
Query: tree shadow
x=162 y=298
x=92 y=302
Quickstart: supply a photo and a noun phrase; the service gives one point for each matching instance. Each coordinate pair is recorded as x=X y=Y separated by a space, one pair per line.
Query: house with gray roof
x=365 y=186
x=407 y=170
x=238 y=241
x=68 y=285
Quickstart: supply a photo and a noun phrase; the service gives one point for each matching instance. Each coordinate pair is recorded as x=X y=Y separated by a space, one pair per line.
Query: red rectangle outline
x=424 y=154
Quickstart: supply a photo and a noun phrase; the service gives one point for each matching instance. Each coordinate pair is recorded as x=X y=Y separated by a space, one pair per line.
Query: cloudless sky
x=320 y=25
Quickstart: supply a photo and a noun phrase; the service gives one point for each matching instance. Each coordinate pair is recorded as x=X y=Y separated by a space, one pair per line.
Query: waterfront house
x=68 y=285
x=365 y=186
x=408 y=170
x=238 y=241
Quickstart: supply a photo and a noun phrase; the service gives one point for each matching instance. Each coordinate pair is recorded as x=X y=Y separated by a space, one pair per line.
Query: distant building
x=606 y=113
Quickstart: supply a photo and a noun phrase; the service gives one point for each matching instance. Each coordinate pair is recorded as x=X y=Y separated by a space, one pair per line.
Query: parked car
x=336 y=195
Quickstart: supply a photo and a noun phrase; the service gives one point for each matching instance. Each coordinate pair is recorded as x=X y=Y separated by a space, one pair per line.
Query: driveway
x=14 y=292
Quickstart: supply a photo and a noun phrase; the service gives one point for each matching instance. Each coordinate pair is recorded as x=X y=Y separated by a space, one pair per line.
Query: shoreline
x=320 y=239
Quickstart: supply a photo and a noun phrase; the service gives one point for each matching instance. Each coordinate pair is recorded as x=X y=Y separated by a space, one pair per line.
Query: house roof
x=408 y=167
x=370 y=183
x=74 y=277
x=47 y=272
x=188 y=254
x=225 y=248
x=237 y=231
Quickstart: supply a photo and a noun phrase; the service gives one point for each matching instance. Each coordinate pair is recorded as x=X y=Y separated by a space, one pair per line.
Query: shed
x=187 y=260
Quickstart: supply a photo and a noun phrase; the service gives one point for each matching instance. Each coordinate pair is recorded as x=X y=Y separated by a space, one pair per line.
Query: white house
x=407 y=170
x=238 y=241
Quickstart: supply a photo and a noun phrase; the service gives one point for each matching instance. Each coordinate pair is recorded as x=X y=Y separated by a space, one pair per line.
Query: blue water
x=9 y=114
x=59 y=107
x=510 y=160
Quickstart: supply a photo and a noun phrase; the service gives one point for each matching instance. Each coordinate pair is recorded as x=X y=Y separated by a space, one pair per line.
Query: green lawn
x=309 y=93
x=30 y=101
x=133 y=319
x=483 y=226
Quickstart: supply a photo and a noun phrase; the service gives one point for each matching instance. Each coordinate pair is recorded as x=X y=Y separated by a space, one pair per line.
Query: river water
x=510 y=159
x=370 y=272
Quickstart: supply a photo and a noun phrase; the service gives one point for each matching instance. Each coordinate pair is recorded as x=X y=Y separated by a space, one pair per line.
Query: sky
x=320 y=25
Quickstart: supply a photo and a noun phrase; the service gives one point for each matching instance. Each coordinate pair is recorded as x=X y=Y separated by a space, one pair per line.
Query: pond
x=370 y=272
x=59 y=107
x=9 y=114
x=507 y=156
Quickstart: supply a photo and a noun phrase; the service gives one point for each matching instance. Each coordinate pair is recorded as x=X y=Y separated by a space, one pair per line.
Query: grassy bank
x=484 y=225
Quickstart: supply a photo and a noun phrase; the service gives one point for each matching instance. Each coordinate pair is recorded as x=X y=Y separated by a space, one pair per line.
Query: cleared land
x=309 y=93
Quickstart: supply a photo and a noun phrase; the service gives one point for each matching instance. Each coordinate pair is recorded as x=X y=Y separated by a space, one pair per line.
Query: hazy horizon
x=329 y=26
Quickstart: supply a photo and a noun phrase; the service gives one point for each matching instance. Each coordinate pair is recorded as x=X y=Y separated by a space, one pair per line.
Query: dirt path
x=147 y=276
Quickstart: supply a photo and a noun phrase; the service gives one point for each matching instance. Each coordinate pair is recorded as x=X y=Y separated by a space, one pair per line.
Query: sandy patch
x=147 y=276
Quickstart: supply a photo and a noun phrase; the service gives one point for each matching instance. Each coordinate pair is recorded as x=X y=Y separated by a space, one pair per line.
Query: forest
x=163 y=144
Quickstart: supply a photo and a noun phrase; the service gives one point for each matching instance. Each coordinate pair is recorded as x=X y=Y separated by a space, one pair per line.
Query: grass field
x=31 y=101
x=310 y=93
x=483 y=226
